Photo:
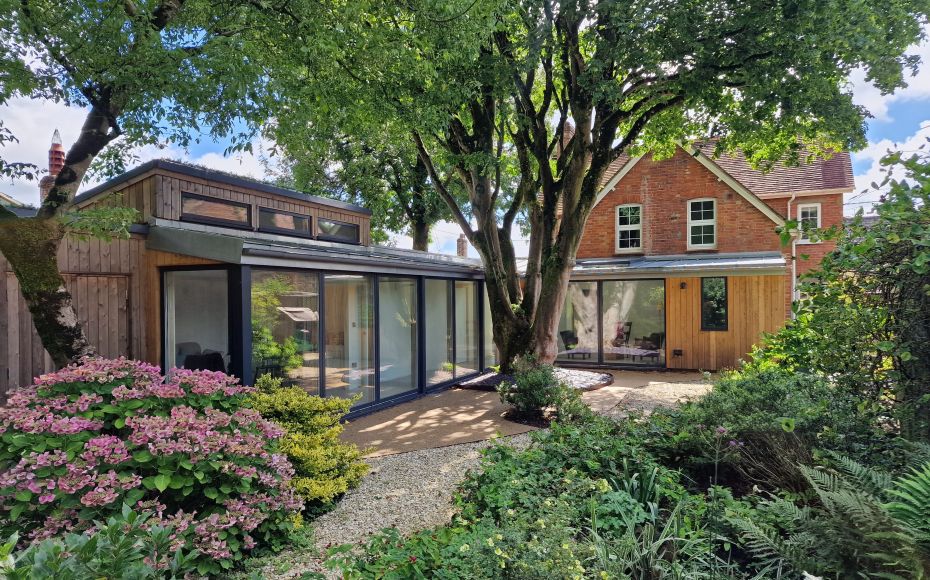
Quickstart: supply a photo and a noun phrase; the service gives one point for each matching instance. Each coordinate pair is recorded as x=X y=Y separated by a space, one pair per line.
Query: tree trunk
x=31 y=247
x=420 y=231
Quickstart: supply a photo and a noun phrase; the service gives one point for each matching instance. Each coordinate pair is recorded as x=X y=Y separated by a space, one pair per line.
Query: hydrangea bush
x=81 y=442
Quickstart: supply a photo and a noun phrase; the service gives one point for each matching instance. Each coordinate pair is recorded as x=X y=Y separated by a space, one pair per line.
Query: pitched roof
x=834 y=173
x=7 y=201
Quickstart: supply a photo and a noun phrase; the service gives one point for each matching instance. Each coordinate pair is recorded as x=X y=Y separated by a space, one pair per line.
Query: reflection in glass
x=197 y=319
x=348 y=321
x=713 y=303
x=338 y=231
x=466 y=327
x=578 y=325
x=282 y=221
x=397 y=323
x=438 y=307
x=285 y=327
x=221 y=211
x=633 y=315
x=490 y=351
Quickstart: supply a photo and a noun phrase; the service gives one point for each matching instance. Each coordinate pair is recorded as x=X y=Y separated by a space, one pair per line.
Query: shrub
x=534 y=387
x=325 y=467
x=85 y=440
x=124 y=547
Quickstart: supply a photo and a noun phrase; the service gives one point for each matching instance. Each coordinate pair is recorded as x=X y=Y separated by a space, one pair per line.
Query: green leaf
x=23 y=495
x=162 y=482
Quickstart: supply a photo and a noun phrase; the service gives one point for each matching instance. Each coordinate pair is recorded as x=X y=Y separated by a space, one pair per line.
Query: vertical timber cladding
x=755 y=305
x=169 y=186
x=107 y=299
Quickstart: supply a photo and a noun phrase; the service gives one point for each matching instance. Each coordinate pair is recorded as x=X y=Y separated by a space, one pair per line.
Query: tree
x=565 y=87
x=140 y=71
x=385 y=176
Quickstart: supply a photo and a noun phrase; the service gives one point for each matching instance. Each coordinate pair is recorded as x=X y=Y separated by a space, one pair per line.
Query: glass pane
x=628 y=239
x=578 y=325
x=338 y=231
x=286 y=327
x=490 y=351
x=439 y=313
x=349 y=335
x=466 y=327
x=634 y=321
x=397 y=320
x=702 y=235
x=713 y=303
x=197 y=319
x=275 y=220
x=218 y=210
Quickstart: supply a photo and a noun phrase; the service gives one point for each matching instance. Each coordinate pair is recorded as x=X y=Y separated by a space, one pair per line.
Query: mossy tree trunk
x=31 y=246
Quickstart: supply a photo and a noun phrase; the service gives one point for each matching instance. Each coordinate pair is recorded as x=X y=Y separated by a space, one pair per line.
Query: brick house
x=680 y=265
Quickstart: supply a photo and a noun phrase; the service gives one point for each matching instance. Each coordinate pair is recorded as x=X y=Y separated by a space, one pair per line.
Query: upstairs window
x=629 y=234
x=702 y=224
x=808 y=220
x=714 y=303
x=284 y=222
x=210 y=210
x=336 y=231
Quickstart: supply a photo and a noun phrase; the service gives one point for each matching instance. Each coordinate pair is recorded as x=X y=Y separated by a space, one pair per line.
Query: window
x=713 y=303
x=702 y=224
x=338 y=231
x=285 y=222
x=808 y=219
x=209 y=210
x=629 y=228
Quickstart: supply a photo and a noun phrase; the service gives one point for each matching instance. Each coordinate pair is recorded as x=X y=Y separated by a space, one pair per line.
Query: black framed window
x=284 y=222
x=714 y=303
x=336 y=231
x=210 y=210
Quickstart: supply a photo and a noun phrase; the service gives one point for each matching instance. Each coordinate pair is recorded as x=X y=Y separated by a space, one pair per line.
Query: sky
x=899 y=121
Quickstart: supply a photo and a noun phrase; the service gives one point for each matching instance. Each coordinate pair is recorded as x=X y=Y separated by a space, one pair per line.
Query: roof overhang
x=268 y=250
x=743 y=264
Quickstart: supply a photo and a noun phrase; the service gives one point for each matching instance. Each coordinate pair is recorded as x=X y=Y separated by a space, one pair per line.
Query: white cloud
x=865 y=195
x=918 y=86
x=33 y=122
x=443 y=239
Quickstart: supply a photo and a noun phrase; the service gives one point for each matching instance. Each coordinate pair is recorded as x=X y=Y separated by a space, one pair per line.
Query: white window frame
x=710 y=222
x=629 y=228
x=801 y=206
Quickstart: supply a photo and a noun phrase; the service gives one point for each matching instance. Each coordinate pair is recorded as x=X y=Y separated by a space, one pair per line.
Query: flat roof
x=219 y=177
x=263 y=249
x=688 y=264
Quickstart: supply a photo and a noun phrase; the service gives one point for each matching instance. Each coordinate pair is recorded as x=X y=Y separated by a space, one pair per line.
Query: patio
x=460 y=416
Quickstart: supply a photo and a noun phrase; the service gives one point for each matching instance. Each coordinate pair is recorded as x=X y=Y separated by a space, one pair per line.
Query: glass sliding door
x=466 y=328
x=578 y=324
x=439 y=323
x=633 y=319
x=348 y=330
x=397 y=332
x=490 y=350
x=286 y=327
x=196 y=317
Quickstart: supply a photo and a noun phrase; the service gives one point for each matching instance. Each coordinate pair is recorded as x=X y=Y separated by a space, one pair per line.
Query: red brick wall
x=831 y=214
x=664 y=189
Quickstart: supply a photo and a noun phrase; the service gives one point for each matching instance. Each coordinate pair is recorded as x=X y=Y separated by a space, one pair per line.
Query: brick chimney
x=461 y=246
x=56 y=160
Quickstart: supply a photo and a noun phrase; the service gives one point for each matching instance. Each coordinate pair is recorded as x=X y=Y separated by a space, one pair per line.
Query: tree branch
x=441 y=188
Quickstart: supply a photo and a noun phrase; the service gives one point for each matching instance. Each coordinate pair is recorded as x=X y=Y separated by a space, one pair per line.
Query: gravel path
x=409 y=491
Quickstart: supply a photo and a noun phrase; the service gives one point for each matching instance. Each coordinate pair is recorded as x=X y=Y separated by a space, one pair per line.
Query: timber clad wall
x=107 y=297
x=755 y=306
x=158 y=194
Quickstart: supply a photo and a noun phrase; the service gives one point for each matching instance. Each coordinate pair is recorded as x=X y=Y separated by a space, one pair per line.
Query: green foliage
x=534 y=387
x=103 y=223
x=122 y=548
x=266 y=299
x=325 y=466
x=850 y=530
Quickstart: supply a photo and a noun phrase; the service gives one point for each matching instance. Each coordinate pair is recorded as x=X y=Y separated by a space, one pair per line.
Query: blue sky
x=900 y=121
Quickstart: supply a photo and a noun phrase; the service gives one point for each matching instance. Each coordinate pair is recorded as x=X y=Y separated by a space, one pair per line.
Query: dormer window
x=702 y=224
x=629 y=232
x=808 y=220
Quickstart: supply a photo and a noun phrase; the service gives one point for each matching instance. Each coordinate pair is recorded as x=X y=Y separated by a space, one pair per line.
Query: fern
x=911 y=503
x=869 y=480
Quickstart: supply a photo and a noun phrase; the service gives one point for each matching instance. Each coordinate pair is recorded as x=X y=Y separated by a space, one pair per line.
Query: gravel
x=408 y=491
